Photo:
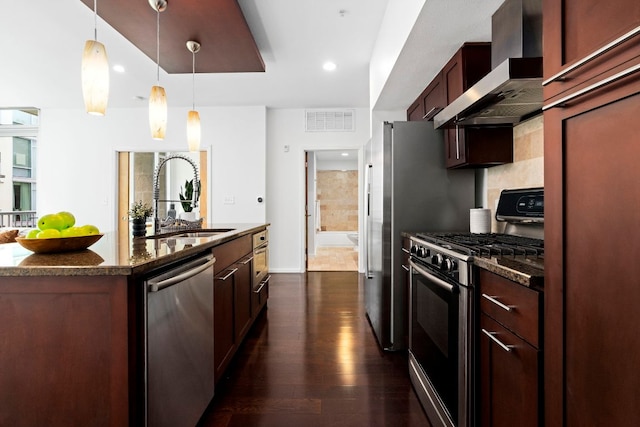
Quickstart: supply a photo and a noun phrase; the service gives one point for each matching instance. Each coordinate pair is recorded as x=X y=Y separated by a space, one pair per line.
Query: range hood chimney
x=512 y=91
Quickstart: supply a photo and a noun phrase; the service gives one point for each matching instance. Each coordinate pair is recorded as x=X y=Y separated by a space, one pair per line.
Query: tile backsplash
x=527 y=169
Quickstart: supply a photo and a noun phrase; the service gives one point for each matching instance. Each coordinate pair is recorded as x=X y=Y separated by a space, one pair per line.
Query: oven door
x=439 y=345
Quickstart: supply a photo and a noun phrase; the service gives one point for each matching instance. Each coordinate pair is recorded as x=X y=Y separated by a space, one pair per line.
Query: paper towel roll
x=480 y=220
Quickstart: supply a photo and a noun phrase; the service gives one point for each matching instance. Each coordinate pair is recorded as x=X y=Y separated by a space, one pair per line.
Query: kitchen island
x=73 y=333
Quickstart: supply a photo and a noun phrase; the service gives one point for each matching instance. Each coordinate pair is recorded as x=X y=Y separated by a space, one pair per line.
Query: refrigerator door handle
x=367 y=185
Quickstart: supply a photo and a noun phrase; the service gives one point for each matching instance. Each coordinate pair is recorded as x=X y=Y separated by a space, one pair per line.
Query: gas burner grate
x=492 y=244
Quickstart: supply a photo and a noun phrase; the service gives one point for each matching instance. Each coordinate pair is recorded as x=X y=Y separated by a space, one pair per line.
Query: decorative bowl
x=61 y=244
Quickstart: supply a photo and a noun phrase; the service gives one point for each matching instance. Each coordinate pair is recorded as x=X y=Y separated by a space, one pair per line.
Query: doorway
x=332 y=210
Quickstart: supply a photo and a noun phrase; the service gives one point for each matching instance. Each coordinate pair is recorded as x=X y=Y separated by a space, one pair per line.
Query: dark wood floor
x=312 y=360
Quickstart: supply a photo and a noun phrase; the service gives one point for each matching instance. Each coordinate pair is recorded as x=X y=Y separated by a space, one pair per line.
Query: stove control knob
x=437 y=260
x=449 y=265
x=414 y=249
x=423 y=252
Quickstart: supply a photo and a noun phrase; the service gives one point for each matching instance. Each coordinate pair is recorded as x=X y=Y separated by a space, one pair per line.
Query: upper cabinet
x=587 y=42
x=464 y=146
x=430 y=102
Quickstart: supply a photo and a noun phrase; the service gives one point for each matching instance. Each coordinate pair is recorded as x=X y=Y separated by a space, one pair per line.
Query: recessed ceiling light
x=329 y=66
x=345 y=154
x=118 y=68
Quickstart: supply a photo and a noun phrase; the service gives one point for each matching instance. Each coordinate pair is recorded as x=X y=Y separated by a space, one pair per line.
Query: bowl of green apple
x=58 y=232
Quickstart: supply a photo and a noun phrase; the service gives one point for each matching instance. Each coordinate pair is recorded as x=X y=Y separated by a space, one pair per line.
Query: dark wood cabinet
x=223 y=321
x=510 y=357
x=592 y=197
x=65 y=351
x=230 y=303
x=465 y=68
x=464 y=146
x=430 y=101
x=586 y=41
x=478 y=146
x=473 y=146
x=242 y=297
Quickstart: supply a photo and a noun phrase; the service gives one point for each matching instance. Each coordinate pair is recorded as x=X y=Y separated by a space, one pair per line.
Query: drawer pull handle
x=604 y=49
x=231 y=273
x=405 y=250
x=405 y=267
x=498 y=303
x=597 y=85
x=504 y=346
x=264 y=282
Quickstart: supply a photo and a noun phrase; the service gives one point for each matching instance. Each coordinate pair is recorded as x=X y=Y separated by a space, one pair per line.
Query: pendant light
x=158 y=97
x=193 y=117
x=95 y=72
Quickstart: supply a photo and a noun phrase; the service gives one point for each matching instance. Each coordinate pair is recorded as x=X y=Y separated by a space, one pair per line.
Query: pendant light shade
x=95 y=73
x=193 y=117
x=193 y=130
x=158 y=112
x=158 y=97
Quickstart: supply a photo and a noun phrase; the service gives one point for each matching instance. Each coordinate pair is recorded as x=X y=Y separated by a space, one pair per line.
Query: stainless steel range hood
x=512 y=91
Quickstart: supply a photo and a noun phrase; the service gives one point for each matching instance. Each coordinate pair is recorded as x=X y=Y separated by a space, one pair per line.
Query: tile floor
x=335 y=258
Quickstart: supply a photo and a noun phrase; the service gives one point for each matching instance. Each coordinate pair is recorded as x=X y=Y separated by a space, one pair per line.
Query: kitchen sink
x=203 y=232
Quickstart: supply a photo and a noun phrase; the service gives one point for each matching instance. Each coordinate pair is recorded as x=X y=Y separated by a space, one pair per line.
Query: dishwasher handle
x=155 y=285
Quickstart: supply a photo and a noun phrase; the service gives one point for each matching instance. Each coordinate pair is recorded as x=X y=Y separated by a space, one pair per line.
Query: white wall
x=346 y=165
x=286 y=174
x=77 y=159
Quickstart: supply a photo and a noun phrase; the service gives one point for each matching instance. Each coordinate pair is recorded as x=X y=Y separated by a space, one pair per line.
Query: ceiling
x=41 y=43
x=226 y=42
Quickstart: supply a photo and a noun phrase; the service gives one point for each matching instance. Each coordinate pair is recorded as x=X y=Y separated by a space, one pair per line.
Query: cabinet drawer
x=510 y=392
x=513 y=305
x=228 y=253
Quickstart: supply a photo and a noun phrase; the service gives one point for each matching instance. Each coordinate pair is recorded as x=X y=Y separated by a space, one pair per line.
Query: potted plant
x=186 y=196
x=139 y=213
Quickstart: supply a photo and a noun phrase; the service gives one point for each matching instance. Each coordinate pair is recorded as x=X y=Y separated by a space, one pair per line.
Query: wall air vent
x=330 y=121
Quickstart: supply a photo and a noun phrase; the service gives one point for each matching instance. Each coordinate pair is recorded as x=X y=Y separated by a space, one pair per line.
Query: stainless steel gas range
x=442 y=312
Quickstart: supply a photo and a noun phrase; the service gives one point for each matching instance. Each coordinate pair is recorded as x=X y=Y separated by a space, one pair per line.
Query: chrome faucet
x=156 y=187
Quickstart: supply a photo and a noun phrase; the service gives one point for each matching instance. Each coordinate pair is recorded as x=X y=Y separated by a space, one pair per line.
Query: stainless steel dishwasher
x=179 y=343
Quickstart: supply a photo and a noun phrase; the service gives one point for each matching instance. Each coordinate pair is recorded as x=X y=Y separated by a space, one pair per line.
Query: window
x=18 y=144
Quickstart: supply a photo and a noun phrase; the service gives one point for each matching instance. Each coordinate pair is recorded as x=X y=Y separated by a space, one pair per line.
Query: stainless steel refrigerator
x=408 y=189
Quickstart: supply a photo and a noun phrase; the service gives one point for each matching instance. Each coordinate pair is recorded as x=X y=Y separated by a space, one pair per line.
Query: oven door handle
x=449 y=287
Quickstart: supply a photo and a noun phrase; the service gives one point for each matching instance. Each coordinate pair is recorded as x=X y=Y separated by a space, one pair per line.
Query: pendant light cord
x=193 y=66
x=95 y=20
x=158 y=46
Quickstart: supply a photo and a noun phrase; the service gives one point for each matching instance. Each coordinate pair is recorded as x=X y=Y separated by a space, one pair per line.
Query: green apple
x=33 y=233
x=69 y=219
x=51 y=221
x=72 y=232
x=49 y=233
x=89 y=229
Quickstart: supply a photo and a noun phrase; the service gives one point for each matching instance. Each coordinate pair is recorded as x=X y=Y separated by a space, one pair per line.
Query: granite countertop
x=525 y=271
x=113 y=256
